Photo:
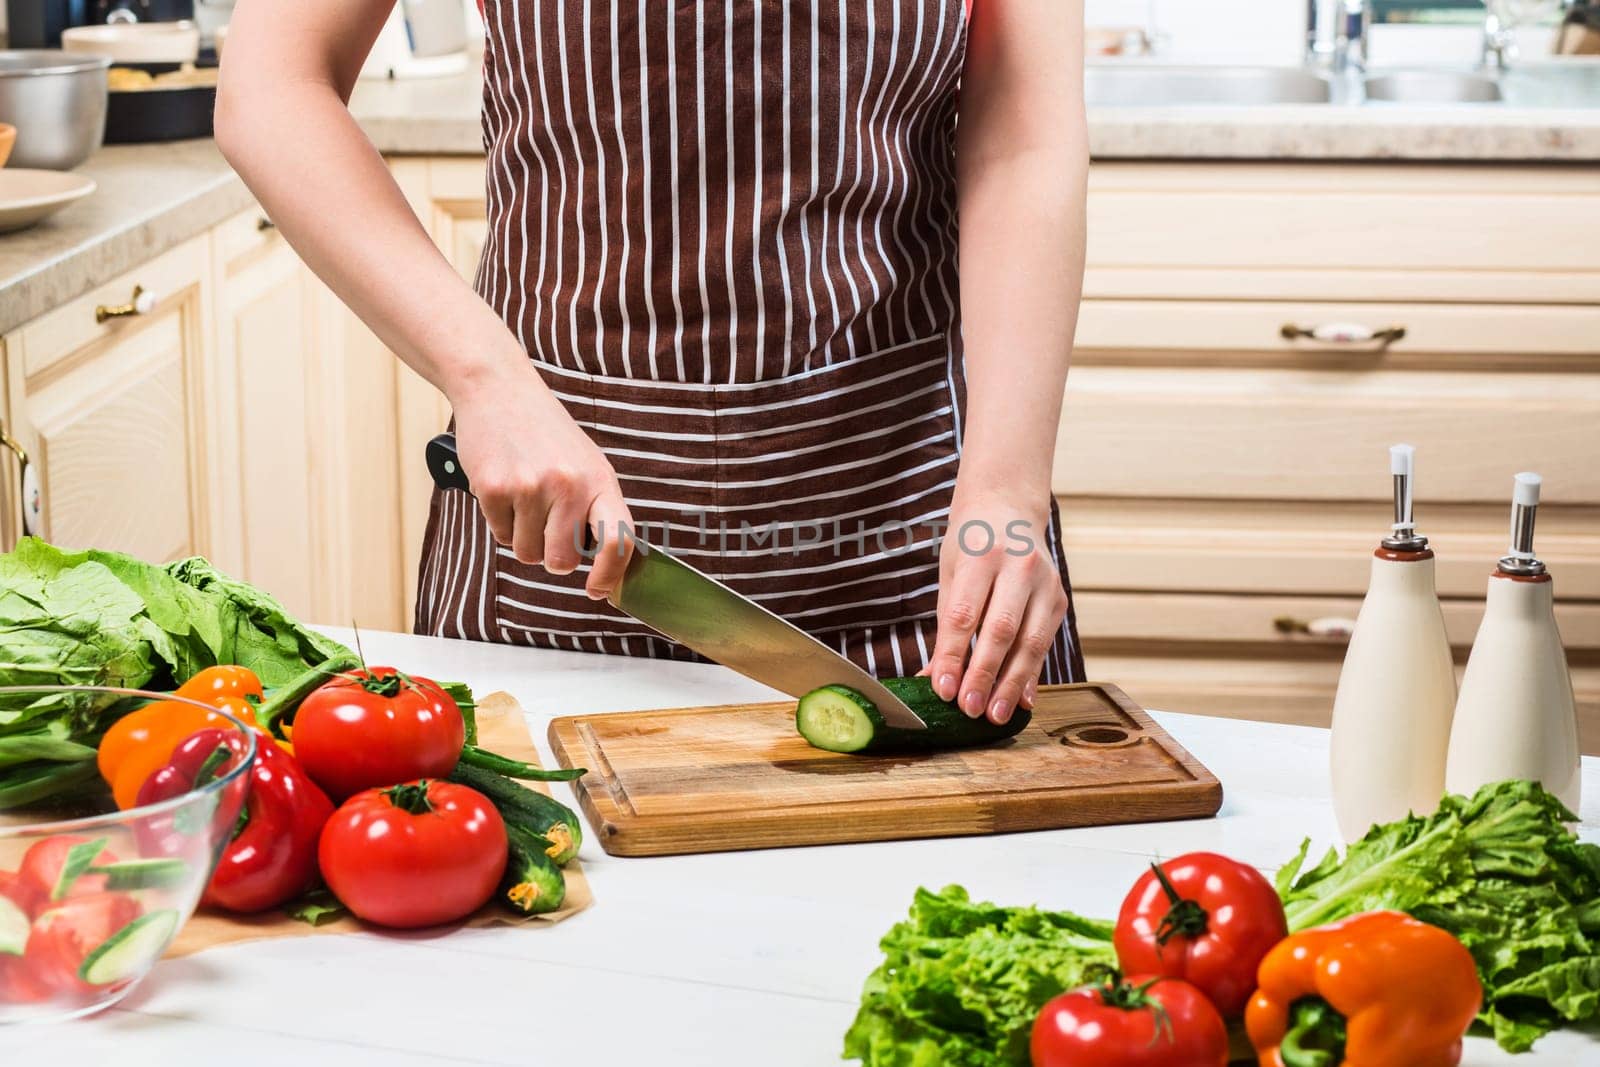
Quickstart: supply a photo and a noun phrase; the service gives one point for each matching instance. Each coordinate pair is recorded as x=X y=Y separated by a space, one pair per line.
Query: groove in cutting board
x=739 y=777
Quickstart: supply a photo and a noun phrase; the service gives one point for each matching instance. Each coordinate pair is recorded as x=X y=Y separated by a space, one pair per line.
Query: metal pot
x=57 y=102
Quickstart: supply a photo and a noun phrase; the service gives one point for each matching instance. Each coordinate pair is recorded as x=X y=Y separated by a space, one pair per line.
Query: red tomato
x=1206 y=919
x=376 y=727
x=64 y=934
x=1145 y=1021
x=17 y=986
x=414 y=855
x=19 y=891
x=41 y=870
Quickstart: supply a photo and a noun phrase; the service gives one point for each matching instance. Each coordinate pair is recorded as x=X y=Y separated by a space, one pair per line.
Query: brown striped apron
x=726 y=235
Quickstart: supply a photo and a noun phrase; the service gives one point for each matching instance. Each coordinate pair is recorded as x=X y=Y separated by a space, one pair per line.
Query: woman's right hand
x=538 y=477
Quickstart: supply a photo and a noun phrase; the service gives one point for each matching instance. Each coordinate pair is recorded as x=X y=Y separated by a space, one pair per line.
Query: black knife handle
x=444 y=463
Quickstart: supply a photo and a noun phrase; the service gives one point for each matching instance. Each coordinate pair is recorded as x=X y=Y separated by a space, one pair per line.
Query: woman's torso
x=720 y=192
x=726 y=235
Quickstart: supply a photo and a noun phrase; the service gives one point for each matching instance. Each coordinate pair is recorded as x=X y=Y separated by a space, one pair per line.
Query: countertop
x=700 y=961
x=152 y=197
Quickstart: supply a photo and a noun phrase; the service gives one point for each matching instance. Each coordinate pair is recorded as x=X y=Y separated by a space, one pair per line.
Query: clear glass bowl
x=90 y=897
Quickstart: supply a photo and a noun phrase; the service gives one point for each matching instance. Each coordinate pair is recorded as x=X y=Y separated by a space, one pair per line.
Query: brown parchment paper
x=500 y=729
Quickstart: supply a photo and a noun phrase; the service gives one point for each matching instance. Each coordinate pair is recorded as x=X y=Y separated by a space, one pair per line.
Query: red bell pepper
x=204 y=757
x=272 y=855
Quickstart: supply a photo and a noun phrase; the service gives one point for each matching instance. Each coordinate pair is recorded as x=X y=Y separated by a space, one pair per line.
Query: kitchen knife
x=701 y=613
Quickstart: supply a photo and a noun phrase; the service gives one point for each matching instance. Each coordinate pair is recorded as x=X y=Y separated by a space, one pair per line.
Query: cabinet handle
x=1326 y=627
x=263 y=224
x=140 y=303
x=27 y=484
x=1343 y=333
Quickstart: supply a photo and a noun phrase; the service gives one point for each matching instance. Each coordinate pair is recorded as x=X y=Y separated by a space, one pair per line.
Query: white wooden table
x=738 y=958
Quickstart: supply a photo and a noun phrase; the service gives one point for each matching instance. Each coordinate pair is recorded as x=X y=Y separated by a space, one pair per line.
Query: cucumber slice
x=836 y=718
x=130 y=951
x=79 y=858
x=160 y=873
x=13 y=928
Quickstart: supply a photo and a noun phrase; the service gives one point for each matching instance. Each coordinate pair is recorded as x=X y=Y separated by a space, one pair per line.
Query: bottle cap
x=1403 y=535
x=1525 y=489
x=1520 y=560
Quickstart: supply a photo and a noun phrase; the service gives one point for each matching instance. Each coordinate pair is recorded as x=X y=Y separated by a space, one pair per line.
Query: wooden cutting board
x=739 y=777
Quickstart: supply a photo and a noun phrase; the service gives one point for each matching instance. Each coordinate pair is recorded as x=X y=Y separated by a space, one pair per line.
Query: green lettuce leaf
x=961 y=983
x=1501 y=870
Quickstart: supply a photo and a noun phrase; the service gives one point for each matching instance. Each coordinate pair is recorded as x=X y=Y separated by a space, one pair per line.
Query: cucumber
x=79 y=857
x=533 y=811
x=130 y=951
x=143 y=874
x=533 y=881
x=13 y=927
x=836 y=718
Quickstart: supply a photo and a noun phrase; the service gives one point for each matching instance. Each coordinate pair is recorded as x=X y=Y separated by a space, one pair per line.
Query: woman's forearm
x=1022 y=161
x=292 y=139
x=1022 y=248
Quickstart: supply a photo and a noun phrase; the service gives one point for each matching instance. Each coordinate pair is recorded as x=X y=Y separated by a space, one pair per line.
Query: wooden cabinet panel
x=266 y=354
x=111 y=413
x=1323 y=435
x=1437 y=336
x=1290 y=217
x=448 y=195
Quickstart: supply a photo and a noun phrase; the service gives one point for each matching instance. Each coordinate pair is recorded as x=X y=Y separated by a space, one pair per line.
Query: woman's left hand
x=996 y=580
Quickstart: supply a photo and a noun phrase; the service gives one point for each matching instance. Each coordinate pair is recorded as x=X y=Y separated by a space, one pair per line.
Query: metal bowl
x=57 y=102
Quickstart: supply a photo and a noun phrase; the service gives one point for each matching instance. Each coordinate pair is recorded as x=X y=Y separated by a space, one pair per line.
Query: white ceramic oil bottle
x=1397 y=691
x=1516 y=717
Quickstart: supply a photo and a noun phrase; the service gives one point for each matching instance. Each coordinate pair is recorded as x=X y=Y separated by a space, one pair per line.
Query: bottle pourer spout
x=1403 y=536
x=1524 y=510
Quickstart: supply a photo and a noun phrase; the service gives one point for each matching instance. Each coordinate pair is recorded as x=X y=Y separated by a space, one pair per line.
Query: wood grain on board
x=740 y=777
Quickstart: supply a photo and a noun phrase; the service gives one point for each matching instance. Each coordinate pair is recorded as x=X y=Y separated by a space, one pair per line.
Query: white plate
x=26 y=196
x=136 y=42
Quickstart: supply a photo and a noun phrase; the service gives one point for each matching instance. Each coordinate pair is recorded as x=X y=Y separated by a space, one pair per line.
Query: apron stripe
x=744 y=290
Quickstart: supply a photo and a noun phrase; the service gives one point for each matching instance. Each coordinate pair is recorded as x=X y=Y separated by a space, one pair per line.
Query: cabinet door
x=10 y=467
x=111 y=411
x=265 y=364
x=448 y=195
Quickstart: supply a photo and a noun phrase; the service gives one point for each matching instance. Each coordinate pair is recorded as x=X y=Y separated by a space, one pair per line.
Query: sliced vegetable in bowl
x=89 y=902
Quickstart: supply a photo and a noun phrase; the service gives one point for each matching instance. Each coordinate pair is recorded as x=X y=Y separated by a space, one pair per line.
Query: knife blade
x=703 y=614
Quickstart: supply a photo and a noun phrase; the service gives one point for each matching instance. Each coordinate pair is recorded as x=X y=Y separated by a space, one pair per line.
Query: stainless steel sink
x=1159 y=86
x=1432 y=87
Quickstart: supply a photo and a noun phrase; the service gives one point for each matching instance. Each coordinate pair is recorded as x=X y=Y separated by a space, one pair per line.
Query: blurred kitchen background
x=1360 y=224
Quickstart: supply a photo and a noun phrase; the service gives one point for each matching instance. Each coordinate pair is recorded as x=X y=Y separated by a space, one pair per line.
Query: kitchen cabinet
x=1223 y=478
x=305 y=421
x=108 y=394
x=447 y=194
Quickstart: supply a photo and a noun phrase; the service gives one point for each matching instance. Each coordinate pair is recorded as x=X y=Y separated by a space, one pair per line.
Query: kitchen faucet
x=1336 y=34
x=1499 y=39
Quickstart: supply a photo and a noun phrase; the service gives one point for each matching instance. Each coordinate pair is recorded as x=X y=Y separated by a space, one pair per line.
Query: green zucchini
x=533 y=811
x=533 y=882
x=839 y=719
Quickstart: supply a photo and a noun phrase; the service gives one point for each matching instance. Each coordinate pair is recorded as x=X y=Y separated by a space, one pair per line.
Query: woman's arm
x=283 y=125
x=1022 y=164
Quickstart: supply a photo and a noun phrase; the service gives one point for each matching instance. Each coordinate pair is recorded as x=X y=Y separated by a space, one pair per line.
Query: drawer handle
x=1326 y=627
x=141 y=303
x=1343 y=333
x=263 y=224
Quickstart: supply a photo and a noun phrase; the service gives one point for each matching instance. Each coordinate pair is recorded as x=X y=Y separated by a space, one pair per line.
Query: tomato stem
x=1316 y=1035
x=411 y=797
x=1125 y=996
x=1184 y=918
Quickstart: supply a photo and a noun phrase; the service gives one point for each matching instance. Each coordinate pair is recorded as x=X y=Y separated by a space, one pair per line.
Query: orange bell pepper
x=1375 y=990
x=140 y=743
